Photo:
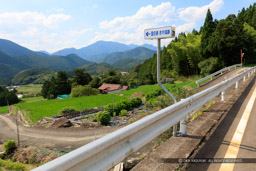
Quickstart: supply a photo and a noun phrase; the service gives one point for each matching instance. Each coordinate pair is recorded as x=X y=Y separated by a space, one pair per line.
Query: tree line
x=81 y=83
x=217 y=44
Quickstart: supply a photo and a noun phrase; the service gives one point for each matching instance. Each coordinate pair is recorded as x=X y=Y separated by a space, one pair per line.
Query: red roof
x=124 y=87
x=110 y=87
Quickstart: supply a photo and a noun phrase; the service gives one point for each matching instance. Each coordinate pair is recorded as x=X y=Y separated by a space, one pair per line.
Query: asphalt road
x=234 y=137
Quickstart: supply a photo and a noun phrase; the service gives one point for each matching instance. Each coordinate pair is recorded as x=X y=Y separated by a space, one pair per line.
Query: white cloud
x=185 y=27
x=78 y=32
x=130 y=29
x=34 y=30
x=28 y=18
x=193 y=14
x=145 y=15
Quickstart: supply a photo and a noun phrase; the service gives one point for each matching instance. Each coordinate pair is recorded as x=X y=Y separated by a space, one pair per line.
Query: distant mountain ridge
x=97 y=51
x=15 y=58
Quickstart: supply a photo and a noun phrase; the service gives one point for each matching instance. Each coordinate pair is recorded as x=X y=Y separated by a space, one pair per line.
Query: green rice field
x=37 y=108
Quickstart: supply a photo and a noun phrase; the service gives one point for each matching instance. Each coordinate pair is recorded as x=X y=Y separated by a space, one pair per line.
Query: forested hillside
x=216 y=45
x=35 y=76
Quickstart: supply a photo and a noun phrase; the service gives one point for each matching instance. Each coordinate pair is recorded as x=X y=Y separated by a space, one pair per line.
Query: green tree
x=56 y=86
x=62 y=85
x=96 y=82
x=209 y=66
x=80 y=77
x=7 y=97
x=206 y=33
x=227 y=40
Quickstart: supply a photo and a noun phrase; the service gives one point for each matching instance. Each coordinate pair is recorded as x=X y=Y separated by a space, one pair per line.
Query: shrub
x=67 y=110
x=209 y=66
x=104 y=117
x=123 y=112
x=9 y=165
x=10 y=147
x=92 y=117
x=125 y=104
x=79 y=91
x=154 y=94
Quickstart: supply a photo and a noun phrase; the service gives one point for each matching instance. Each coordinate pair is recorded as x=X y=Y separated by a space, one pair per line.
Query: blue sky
x=52 y=25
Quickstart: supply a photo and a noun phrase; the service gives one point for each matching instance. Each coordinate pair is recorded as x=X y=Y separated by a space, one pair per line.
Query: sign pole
x=162 y=33
x=174 y=128
x=159 y=70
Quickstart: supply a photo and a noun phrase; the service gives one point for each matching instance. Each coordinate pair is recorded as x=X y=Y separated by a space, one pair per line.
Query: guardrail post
x=183 y=127
x=248 y=74
x=223 y=96
x=236 y=85
x=244 y=78
x=174 y=130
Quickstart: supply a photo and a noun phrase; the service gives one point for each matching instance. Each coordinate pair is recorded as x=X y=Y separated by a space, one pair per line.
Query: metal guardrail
x=106 y=152
x=216 y=73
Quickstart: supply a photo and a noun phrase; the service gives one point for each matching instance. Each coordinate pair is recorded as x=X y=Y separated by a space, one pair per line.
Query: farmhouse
x=111 y=88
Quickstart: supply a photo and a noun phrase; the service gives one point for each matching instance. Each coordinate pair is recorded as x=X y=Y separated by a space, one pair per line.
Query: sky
x=52 y=25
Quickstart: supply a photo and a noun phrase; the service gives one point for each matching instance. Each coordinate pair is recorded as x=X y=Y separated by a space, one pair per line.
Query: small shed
x=63 y=96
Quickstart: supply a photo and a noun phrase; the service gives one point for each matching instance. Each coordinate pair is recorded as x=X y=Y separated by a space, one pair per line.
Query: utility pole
x=18 y=134
x=242 y=55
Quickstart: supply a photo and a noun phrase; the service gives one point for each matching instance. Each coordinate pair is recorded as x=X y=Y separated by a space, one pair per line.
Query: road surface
x=234 y=137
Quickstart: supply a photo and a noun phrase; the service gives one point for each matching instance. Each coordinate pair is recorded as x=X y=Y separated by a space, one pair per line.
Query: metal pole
x=236 y=85
x=159 y=82
x=18 y=136
x=159 y=71
x=223 y=96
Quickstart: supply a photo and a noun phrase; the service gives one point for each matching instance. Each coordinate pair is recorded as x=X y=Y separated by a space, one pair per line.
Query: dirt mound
x=62 y=122
x=33 y=155
x=137 y=94
x=88 y=124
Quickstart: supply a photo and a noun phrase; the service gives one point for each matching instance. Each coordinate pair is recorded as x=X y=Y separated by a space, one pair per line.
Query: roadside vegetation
x=3 y=109
x=183 y=60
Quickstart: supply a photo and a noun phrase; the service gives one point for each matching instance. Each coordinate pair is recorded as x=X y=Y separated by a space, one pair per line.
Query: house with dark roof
x=111 y=88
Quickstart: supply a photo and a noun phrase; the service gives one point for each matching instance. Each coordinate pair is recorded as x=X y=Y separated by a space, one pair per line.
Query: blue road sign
x=160 y=33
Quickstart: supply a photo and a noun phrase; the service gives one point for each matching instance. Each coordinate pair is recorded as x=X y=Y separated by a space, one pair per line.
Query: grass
x=9 y=165
x=33 y=99
x=249 y=65
x=202 y=110
x=37 y=108
x=3 y=109
x=40 y=109
x=145 y=89
x=30 y=89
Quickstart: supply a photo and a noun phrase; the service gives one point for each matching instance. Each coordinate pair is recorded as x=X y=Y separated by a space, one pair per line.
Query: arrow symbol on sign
x=147 y=34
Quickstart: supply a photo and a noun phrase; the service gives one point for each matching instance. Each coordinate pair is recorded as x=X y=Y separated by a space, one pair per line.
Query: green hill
x=127 y=63
x=96 y=69
x=32 y=76
x=139 y=53
x=12 y=48
x=52 y=62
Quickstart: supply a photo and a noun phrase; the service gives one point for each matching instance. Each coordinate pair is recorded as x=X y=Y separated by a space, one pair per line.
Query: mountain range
x=98 y=51
x=109 y=55
x=15 y=58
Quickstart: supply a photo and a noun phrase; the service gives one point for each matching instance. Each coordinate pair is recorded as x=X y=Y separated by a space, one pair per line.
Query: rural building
x=124 y=73
x=111 y=88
